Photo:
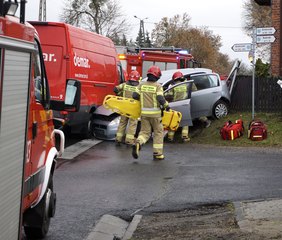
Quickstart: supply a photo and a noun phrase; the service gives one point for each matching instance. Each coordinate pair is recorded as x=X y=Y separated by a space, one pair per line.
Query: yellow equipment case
x=131 y=108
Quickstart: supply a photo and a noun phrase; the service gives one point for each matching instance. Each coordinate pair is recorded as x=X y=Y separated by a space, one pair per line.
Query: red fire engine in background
x=27 y=136
x=140 y=59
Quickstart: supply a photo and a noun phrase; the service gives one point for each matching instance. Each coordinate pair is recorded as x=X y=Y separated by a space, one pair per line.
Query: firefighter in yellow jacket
x=176 y=94
x=150 y=94
x=125 y=90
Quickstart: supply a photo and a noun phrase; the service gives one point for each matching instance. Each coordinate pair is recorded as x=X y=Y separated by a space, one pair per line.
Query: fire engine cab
x=141 y=59
x=27 y=136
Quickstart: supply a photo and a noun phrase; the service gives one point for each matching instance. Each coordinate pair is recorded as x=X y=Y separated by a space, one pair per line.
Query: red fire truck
x=27 y=136
x=141 y=59
x=86 y=56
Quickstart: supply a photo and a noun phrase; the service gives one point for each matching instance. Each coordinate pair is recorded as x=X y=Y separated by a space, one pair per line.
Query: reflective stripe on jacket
x=148 y=92
x=179 y=92
x=126 y=90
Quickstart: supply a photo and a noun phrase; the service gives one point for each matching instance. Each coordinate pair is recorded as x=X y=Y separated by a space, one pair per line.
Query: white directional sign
x=242 y=47
x=266 y=31
x=265 y=39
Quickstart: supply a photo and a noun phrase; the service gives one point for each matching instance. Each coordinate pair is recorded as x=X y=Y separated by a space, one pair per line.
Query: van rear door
x=54 y=47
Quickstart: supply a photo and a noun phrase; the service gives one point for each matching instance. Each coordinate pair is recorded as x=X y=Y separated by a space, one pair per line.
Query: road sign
x=265 y=39
x=242 y=47
x=266 y=31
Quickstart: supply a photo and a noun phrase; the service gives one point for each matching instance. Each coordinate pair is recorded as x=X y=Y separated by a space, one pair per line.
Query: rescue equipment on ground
x=231 y=131
x=257 y=130
x=130 y=108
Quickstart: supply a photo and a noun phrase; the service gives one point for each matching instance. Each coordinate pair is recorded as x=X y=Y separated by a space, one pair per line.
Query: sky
x=222 y=17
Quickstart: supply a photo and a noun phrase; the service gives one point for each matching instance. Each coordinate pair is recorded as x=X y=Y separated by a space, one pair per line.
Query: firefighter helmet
x=156 y=71
x=177 y=75
x=134 y=75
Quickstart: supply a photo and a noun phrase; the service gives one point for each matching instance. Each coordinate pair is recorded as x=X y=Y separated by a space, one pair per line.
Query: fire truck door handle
x=99 y=85
x=34 y=130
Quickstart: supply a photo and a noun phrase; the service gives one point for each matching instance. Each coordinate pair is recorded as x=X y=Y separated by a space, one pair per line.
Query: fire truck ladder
x=161 y=49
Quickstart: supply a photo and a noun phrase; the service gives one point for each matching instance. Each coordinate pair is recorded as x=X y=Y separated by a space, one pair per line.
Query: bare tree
x=101 y=16
x=202 y=43
x=257 y=16
x=166 y=29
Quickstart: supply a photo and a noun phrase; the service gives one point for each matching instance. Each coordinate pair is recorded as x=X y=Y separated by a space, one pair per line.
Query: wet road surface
x=107 y=180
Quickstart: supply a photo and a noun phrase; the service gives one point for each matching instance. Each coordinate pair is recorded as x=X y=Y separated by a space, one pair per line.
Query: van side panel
x=94 y=63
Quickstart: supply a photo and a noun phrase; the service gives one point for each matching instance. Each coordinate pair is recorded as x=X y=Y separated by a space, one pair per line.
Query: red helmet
x=177 y=75
x=155 y=70
x=134 y=75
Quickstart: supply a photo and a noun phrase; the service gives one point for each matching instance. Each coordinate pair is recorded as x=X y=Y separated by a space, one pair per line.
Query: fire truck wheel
x=220 y=109
x=40 y=215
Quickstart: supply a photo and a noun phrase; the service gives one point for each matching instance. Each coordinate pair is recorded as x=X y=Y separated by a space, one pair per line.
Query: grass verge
x=211 y=135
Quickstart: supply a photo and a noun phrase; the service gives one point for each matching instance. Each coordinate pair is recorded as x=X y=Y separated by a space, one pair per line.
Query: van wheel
x=37 y=219
x=220 y=109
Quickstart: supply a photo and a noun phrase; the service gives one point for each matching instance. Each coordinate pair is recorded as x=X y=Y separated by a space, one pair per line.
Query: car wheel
x=220 y=109
x=87 y=130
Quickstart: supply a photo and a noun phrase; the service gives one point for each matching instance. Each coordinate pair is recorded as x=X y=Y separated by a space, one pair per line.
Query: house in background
x=276 y=51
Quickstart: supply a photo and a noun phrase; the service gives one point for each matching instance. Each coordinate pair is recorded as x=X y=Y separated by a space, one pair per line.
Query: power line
x=216 y=26
x=202 y=25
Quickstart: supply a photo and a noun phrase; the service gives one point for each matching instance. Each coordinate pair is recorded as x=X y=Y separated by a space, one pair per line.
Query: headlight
x=115 y=122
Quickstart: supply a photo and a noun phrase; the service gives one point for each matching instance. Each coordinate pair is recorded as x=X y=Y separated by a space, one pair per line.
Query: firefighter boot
x=159 y=157
x=186 y=139
x=185 y=134
x=135 y=150
x=170 y=136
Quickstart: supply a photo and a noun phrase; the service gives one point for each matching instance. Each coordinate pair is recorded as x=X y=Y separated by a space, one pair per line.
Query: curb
x=74 y=150
x=263 y=216
x=132 y=227
x=113 y=228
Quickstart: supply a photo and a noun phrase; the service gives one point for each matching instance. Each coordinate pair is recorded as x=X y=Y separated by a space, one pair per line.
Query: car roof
x=167 y=74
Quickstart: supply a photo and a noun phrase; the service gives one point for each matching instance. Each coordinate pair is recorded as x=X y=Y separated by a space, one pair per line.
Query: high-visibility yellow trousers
x=131 y=129
x=184 y=133
x=149 y=124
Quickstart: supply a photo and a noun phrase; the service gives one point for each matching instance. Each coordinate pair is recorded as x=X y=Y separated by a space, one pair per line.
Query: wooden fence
x=268 y=94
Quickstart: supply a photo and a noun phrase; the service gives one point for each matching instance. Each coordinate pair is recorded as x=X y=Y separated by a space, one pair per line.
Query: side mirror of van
x=72 y=98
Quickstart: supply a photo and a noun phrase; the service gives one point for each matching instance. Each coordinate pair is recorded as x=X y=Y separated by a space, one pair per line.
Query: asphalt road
x=107 y=180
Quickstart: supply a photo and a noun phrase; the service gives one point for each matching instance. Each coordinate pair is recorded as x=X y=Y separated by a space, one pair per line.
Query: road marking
x=74 y=150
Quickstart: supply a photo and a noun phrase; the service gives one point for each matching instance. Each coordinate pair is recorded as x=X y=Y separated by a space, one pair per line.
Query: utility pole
x=42 y=11
x=254 y=70
x=141 y=35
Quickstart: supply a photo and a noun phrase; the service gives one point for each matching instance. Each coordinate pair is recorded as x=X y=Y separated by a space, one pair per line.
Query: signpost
x=266 y=31
x=260 y=35
x=265 y=39
x=242 y=47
